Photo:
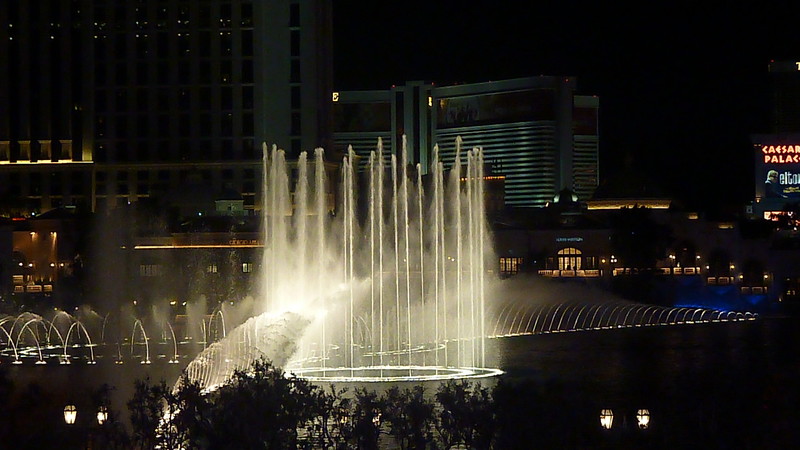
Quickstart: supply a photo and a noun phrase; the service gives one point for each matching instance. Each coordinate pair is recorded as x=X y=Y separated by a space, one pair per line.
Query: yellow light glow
x=623 y=203
x=162 y=247
x=63 y=161
x=643 y=418
x=606 y=418
x=70 y=414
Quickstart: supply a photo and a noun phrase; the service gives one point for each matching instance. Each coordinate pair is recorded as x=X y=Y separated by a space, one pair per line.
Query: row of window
x=179 y=150
x=569 y=258
x=196 y=98
x=157 y=270
x=166 y=72
x=204 y=13
x=201 y=43
x=65 y=183
x=183 y=125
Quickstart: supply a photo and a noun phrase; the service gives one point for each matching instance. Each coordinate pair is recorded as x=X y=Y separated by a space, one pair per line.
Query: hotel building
x=106 y=102
x=536 y=132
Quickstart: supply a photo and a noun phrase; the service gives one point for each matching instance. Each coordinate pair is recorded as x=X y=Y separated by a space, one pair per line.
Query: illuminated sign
x=244 y=242
x=777 y=166
x=569 y=239
x=781 y=154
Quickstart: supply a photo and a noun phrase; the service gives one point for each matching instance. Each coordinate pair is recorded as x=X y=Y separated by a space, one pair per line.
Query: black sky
x=681 y=85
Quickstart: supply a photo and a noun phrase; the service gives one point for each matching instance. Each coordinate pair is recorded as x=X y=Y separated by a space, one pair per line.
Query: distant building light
x=606 y=418
x=335 y=97
x=643 y=418
x=624 y=203
x=70 y=413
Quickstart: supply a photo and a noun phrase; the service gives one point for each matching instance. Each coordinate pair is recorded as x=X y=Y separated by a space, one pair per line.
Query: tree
x=188 y=413
x=368 y=410
x=273 y=406
x=147 y=408
x=330 y=425
x=111 y=434
x=410 y=417
x=466 y=416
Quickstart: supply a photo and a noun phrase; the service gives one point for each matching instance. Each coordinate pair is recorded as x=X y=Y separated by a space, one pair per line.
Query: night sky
x=681 y=85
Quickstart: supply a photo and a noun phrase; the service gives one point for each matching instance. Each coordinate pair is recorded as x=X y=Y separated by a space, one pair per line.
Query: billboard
x=777 y=166
x=492 y=108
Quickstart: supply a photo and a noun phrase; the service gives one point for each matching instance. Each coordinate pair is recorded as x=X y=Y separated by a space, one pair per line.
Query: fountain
x=387 y=286
x=31 y=335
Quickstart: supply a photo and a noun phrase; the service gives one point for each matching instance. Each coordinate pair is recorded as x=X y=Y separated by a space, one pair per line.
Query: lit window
x=247 y=267
x=211 y=268
x=510 y=266
x=569 y=259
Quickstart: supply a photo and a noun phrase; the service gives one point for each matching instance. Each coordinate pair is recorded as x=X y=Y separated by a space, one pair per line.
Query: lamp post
x=643 y=419
x=70 y=414
x=626 y=432
x=606 y=419
x=84 y=433
x=102 y=415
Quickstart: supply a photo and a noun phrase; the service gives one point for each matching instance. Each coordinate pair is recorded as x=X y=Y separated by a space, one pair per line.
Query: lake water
x=717 y=385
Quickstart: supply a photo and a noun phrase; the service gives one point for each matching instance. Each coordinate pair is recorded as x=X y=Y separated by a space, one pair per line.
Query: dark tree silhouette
x=466 y=417
x=410 y=417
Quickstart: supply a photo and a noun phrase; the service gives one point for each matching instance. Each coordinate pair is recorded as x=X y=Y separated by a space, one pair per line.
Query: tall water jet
x=377 y=317
x=395 y=293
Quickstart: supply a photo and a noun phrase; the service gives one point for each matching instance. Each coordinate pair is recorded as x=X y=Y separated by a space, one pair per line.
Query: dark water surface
x=719 y=385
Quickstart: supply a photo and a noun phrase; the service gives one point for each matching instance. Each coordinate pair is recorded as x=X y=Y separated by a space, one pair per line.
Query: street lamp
x=102 y=415
x=70 y=414
x=643 y=419
x=606 y=418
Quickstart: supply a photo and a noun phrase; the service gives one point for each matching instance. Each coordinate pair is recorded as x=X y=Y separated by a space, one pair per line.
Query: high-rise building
x=108 y=102
x=785 y=87
x=777 y=154
x=536 y=132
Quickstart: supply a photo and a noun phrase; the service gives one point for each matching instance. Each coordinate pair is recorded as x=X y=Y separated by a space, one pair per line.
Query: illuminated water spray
x=388 y=284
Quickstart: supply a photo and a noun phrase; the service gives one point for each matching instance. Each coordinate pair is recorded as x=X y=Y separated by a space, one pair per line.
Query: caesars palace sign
x=781 y=154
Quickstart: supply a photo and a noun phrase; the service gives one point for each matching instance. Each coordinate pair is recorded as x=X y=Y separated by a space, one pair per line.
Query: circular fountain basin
x=380 y=374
